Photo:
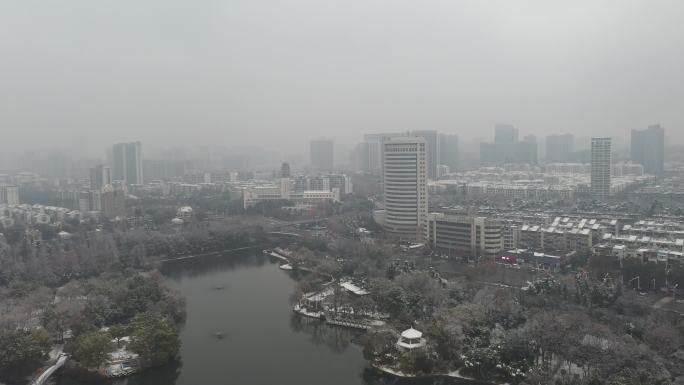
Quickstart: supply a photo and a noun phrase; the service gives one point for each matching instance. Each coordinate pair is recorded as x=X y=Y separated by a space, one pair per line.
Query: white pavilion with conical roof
x=411 y=339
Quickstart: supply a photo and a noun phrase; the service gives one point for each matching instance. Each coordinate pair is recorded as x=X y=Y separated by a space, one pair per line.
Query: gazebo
x=411 y=339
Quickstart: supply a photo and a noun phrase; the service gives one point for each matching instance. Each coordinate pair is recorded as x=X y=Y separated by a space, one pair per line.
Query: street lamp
x=674 y=292
x=667 y=272
x=637 y=278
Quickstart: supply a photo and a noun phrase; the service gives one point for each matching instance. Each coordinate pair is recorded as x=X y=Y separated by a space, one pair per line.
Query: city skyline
x=356 y=192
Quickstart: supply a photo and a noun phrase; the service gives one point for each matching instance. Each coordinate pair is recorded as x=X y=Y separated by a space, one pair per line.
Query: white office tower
x=600 y=167
x=405 y=187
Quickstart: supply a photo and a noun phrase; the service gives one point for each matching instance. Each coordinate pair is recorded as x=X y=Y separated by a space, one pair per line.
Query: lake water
x=264 y=342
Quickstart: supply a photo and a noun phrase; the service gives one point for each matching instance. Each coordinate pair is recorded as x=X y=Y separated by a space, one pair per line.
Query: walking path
x=211 y=253
x=662 y=302
x=49 y=371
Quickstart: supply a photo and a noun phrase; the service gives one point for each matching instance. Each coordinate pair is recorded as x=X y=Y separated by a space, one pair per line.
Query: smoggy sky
x=175 y=72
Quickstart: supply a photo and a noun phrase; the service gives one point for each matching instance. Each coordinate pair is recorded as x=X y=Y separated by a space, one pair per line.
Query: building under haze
x=368 y=155
x=648 y=149
x=9 y=195
x=432 y=150
x=112 y=202
x=321 y=154
x=448 y=151
x=100 y=176
x=505 y=134
x=405 y=187
x=507 y=149
x=527 y=150
x=127 y=165
x=560 y=148
x=371 y=155
x=285 y=171
x=600 y=167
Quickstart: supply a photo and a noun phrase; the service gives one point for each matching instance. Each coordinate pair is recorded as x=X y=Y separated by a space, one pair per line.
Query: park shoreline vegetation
x=79 y=295
x=580 y=327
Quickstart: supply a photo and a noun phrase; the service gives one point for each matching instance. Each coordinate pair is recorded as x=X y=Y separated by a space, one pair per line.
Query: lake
x=247 y=299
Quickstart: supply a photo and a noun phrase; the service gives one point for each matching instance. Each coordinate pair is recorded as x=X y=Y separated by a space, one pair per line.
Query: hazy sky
x=172 y=72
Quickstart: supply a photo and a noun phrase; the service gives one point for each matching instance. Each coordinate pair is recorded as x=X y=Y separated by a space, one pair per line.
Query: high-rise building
x=505 y=148
x=9 y=195
x=89 y=201
x=432 y=148
x=560 y=148
x=489 y=156
x=405 y=187
x=600 y=167
x=370 y=157
x=285 y=170
x=113 y=202
x=127 y=165
x=505 y=134
x=358 y=158
x=448 y=151
x=527 y=150
x=321 y=154
x=648 y=149
x=100 y=176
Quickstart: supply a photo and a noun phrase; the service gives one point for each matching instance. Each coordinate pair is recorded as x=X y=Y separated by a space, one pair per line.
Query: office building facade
x=432 y=150
x=405 y=174
x=465 y=235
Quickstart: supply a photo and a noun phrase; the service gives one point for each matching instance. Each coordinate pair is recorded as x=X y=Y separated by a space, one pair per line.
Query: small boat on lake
x=286 y=266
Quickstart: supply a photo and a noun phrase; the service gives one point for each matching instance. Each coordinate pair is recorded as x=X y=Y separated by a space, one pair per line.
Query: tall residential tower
x=405 y=175
x=648 y=149
x=100 y=176
x=600 y=167
x=448 y=151
x=127 y=163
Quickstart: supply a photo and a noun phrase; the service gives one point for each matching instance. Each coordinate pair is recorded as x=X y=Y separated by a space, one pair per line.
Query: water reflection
x=194 y=267
x=167 y=374
x=336 y=338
